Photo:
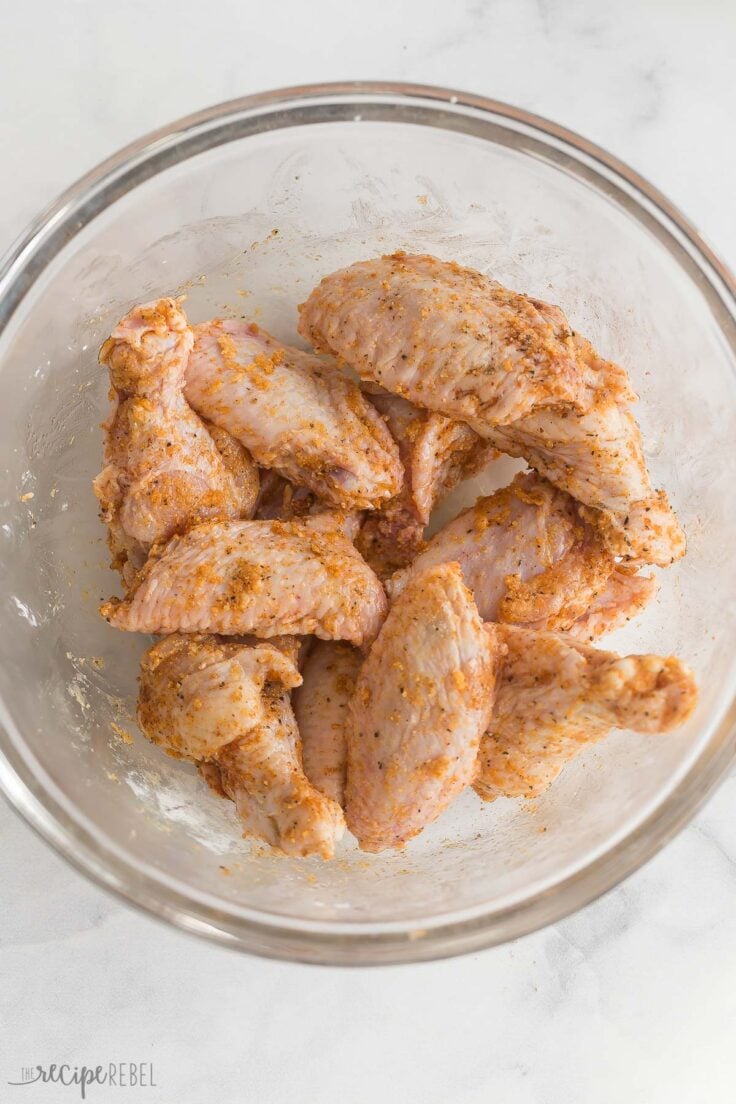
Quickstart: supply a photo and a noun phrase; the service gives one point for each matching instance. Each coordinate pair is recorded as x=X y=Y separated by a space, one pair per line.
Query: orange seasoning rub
x=266 y=578
x=295 y=413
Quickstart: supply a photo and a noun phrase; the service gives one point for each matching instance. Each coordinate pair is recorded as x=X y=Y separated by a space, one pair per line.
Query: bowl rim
x=22 y=266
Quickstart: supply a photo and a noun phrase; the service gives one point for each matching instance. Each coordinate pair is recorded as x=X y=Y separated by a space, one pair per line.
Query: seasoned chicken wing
x=163 y=471
x=321 y=710
x=450 y=339
x=197 y=693
x=227 y=705
x=528 y=557
x=597 y=457
x=436 y=453
x=555 y=695
x=261 y=577
x=445 y=337
x=294 y=413
x=422 y=700
x=262 y=773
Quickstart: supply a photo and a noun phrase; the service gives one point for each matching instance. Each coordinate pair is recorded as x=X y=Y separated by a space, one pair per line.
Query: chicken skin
x=622 y=598
x=163 y=471
x=451 y=340
x=597 y=457
x=422 y=700
x=555 y=695
x=446 y=338
x=321 y=710
x=197 y=692
x=241 y=466
x=527 y=556
x=227 y=705
x=294 y=413
x=263 y=775
x=267 y=578
x=436 y=453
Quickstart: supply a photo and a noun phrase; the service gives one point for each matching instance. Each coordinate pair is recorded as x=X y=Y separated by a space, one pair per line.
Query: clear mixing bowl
x=244 y=207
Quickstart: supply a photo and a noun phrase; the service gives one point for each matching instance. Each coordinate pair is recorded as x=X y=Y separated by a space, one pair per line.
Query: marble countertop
x=631 y=1000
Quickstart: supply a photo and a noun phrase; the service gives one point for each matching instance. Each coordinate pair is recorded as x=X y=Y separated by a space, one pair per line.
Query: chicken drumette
x=226 y=706
x=163 y=472
x=556 y=695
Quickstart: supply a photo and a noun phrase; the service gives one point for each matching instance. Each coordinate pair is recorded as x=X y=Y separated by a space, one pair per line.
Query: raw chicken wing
x=555 y=695
x=294 y=413
x=263 y=775
x=422 y=700
x=446 y=338
x=262 y=577
x=597 y=457
x=450 y=339
x=526 y=554
x=227 y=704
x=321 y=710
x=163 y=472
x=197 y=693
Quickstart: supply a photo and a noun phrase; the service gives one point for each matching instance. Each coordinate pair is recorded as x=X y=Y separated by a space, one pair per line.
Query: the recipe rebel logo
x=117 y=1075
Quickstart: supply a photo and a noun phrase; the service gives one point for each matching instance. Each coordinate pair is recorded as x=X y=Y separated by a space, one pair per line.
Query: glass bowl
x=244 y=207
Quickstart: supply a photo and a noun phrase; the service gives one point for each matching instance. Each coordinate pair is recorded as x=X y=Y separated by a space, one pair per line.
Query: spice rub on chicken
x=267 y=578
x=226 y=706
x=530 y=557
x=322 y=663
x=294 y=412
x=509 y=365
x=164 y=471
x=555 y=696
x=422 y=701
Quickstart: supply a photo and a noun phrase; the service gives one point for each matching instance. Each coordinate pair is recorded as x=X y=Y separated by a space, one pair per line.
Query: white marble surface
x=632 y=1000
